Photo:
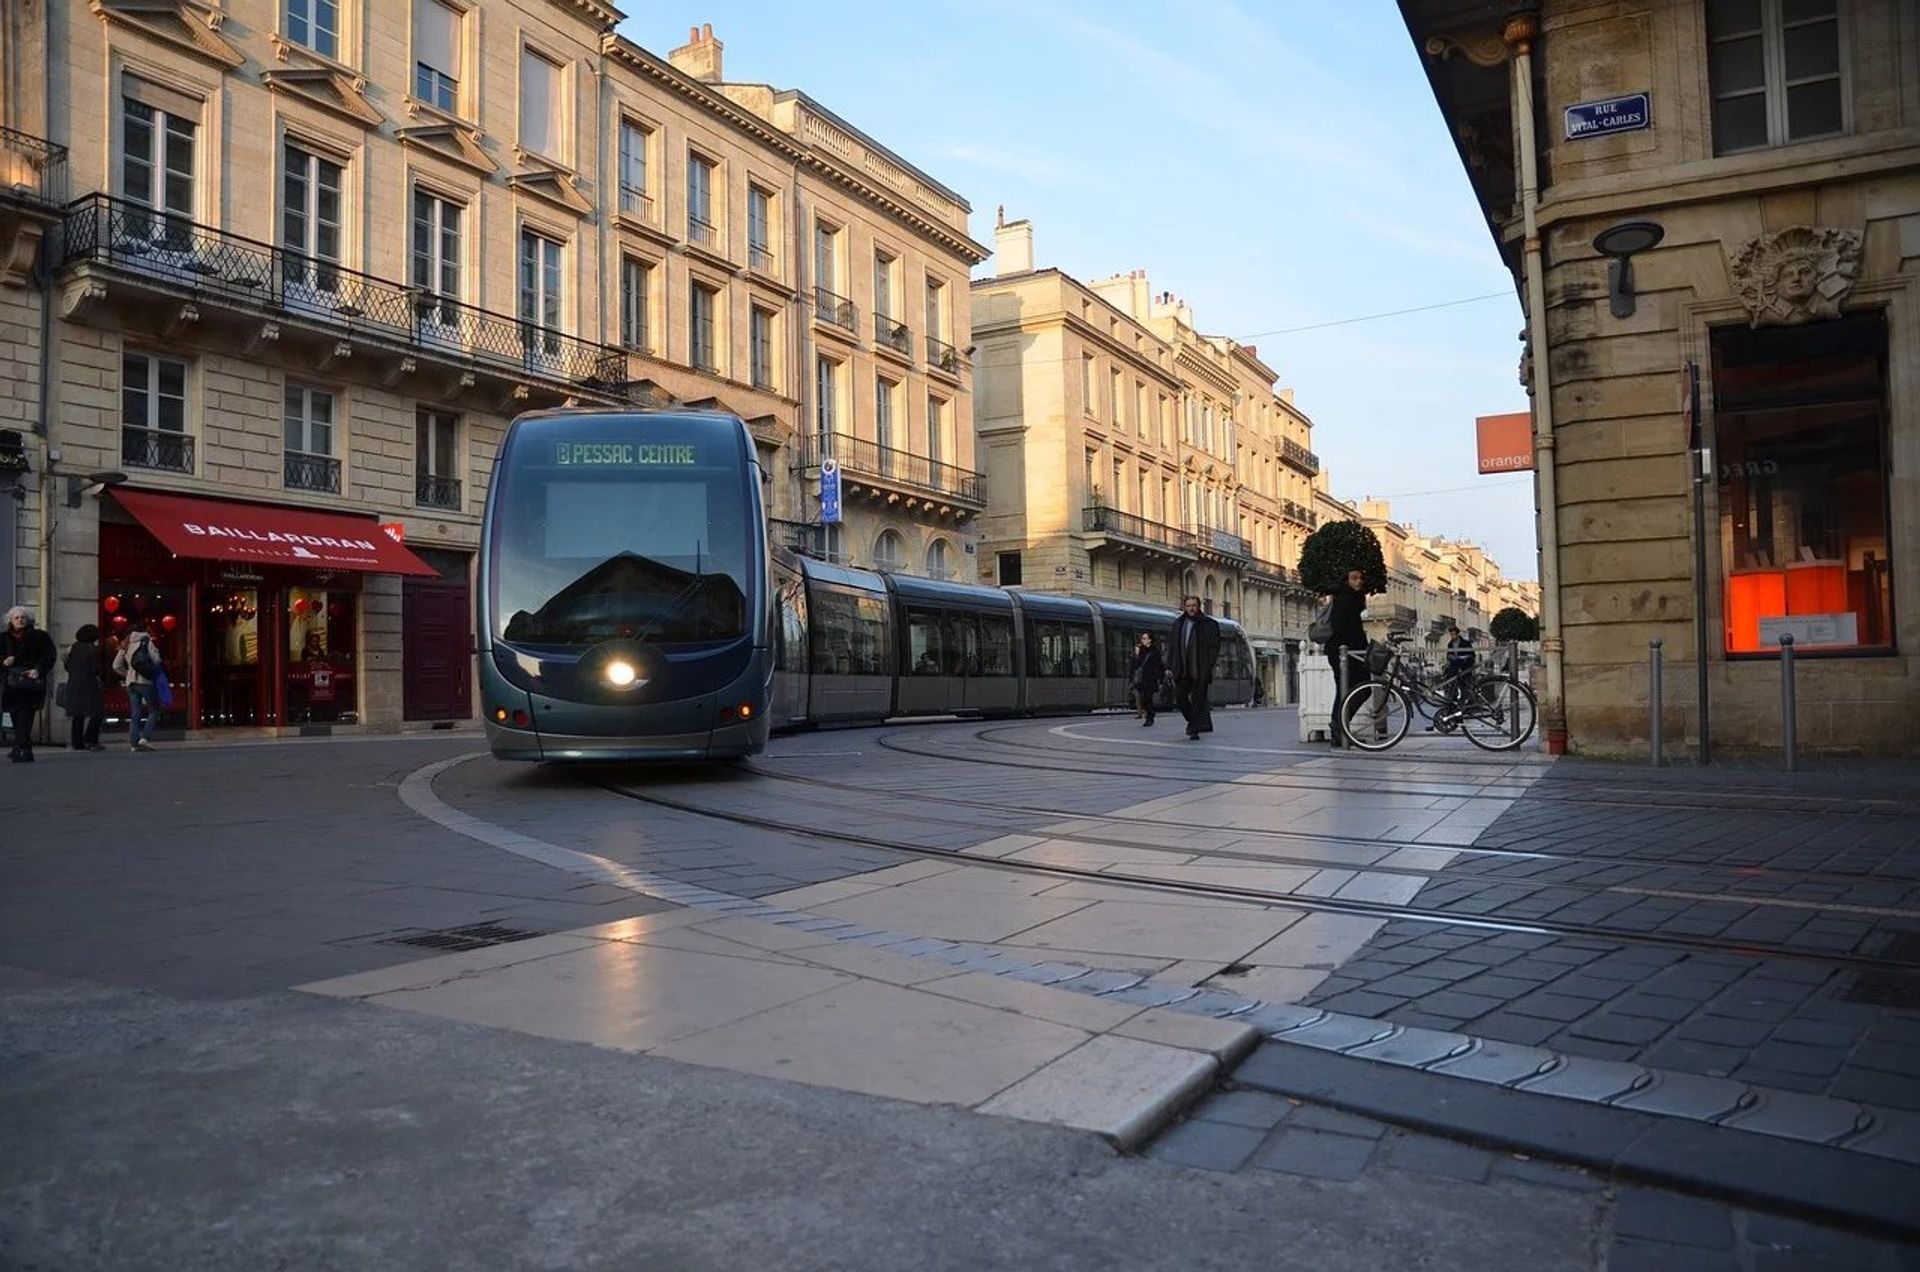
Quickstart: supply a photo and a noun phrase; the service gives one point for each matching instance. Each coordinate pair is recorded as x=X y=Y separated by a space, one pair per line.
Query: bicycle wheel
x=1500 y=714
x=1378 y=716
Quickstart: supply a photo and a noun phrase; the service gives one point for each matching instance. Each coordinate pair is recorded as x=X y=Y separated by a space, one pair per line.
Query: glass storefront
x=321 y=647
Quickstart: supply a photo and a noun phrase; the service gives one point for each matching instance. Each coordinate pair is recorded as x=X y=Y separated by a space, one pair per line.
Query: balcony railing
x=636 y=202
x=157 y=448
x=893 y=335
x=1223 y=542
x=760 y=258
x=444 y=493
x=32 y=168
x=701 y=232
x=1100 y=519
x=1300 y=514
x=805 y=538
x=1300 y=457
x=836 y=309
x=247 y=273
x=869 y=459
x=943 y=355
x=318 y=473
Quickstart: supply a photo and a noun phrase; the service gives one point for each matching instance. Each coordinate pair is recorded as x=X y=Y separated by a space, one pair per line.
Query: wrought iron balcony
x=153 y=247
x=1300 y=457
x=893 y=335
x=805 y=538
x=443 y=493
x=835 y=309
x=1100 y=519
x=157 y=448
x=1221 y=542
x=702 y=233
x=636 y=202
x=318 y=473
x=860 y=458
x=759 y=258
x=1299 y=514
x=32 y=169
x=942 y=355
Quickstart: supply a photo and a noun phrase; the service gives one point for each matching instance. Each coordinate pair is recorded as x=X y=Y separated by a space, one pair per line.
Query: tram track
x=1281 y=900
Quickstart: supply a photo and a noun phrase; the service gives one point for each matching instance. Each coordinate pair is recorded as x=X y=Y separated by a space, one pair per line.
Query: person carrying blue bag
x=138 y=664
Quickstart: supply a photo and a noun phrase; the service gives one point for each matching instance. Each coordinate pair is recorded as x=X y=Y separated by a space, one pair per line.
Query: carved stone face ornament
x=1797 y=275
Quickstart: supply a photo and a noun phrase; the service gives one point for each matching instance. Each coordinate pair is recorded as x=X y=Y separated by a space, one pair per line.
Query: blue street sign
x=829 y=493
x=1616 y=114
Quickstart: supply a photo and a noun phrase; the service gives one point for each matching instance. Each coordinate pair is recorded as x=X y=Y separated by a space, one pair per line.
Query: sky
x=1276 y=163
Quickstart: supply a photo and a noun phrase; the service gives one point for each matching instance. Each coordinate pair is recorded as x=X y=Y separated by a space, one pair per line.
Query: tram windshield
x=610 y=527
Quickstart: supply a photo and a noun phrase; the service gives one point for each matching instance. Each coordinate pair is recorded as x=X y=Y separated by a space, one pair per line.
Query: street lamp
x=79 y=487
x=1621 y=243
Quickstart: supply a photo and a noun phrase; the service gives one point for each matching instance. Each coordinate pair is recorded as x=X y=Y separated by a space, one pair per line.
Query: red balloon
x=119 y=620
x=168 y=623
x=300 y=606
x=111 y=605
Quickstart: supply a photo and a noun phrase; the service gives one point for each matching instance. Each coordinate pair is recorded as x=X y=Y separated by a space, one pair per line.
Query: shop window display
x=167 y=613
x=321 y=662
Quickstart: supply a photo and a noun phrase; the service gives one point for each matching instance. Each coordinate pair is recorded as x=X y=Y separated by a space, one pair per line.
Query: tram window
x=1079 y=651
x=1046 y=649
x=963 y=645
x=793 y=627
x=849 y=634
x=1120 y=642
x=996 y=645
x=925 y=652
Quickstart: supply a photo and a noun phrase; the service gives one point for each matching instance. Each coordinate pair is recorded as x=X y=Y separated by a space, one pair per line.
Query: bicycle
x=1493 y=709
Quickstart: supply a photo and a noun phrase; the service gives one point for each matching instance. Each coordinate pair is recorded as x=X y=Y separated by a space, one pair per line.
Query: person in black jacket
x=1193 y=646
x=27 y=656
x=1348 y=620
x=86 y=688
x=1148 y=671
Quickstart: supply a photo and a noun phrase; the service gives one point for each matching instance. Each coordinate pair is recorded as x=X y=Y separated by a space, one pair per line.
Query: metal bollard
x=1789 y=720
x=1335 y=719
x=1656 y=753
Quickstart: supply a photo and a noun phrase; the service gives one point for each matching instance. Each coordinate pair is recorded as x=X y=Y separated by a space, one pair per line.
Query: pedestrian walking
x=1346 y=615
x=1193 y=646
x=27 y=656
x=85 y=690
x=138 y=665
x=1149 y=669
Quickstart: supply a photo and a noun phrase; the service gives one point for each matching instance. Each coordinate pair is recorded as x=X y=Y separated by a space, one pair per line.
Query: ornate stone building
x=1131 y=457
x=280 y=259
x=1724 y=192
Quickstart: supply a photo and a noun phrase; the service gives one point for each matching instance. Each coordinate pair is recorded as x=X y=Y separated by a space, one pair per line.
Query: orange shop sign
x=1506 y=442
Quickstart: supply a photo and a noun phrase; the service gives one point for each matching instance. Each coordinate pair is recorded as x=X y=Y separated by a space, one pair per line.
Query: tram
x=623 y=584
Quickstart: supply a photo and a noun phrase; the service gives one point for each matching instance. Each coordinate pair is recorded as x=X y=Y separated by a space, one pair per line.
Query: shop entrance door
x=438 y=644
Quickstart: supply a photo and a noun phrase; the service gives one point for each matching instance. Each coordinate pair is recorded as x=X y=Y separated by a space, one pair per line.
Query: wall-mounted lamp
x=79 y=487
x=1622 y=243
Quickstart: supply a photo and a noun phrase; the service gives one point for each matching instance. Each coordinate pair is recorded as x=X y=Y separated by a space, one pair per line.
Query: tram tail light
x=741 y=711
x=500 y=715
x=521 y=720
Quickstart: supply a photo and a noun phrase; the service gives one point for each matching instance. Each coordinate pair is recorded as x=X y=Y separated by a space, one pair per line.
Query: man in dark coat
x=1193 y=645
x=86 y=688
x=1348 y=620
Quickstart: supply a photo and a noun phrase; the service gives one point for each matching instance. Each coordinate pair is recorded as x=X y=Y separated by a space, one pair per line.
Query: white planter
x=1316 y=696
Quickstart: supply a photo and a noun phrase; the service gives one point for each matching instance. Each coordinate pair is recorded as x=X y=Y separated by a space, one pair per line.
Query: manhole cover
x=473 y=937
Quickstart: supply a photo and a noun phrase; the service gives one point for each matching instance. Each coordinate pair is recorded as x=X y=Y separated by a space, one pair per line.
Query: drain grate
x=1900 y=990
x=476 y=936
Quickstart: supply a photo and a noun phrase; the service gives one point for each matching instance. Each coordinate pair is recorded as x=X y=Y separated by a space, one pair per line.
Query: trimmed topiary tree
x=1337 y=547
x=1514 y=623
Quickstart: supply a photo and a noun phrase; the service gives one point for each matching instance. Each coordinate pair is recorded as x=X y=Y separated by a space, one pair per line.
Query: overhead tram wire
x=1391 y=313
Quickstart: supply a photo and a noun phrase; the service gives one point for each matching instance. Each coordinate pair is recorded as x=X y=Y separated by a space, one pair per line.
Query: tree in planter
x=1514 y=623
x=1335 y=548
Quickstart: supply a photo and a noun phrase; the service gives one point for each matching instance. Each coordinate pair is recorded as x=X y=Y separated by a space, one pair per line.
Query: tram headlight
x=621 y=674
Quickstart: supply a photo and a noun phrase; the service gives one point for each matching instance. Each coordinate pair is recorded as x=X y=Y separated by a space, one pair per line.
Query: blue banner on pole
x=1616 y=114
x=829 y=493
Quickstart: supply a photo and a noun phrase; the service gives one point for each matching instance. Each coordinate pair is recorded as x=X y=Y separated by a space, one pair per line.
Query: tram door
x=928 y=686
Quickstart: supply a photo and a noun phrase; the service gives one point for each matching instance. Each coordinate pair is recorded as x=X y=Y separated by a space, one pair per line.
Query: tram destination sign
x=625 y=455
x=1613 y=115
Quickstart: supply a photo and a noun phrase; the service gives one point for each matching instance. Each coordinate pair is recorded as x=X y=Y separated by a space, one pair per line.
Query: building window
x=316 y=24
x=310 y=221
x=541 y=117
x=153 y=413
x=936 y=309
x=700 y=222
x=1086 y=383
x=826 y=394
x=436 y=253
x=759 y=227
x=1093 y=481
x=539 y=298
x=702 y=302
x=436 y=458
x=1774 y=66
x=890 y=553
x=1801 y=433
x=636 y=303
x=884 y=269
x=885 y=395
x=939 y=560
x=1009 y=569
x=936 y=429
x=634 y=144
x=436 y=54
x=1115 y=398
x=157 y=162
x=1141 y=421
x=760 y=347
x=826 y=263
x=310 y=464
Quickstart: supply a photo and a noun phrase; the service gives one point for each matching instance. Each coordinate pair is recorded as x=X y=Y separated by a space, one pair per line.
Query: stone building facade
x=1758 y=166
x=1130 y=457
x=311 y=258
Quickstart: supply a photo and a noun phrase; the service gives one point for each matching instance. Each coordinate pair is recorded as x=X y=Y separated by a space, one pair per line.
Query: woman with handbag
x=86 y=698
x=1148 y=671
x=27 y=656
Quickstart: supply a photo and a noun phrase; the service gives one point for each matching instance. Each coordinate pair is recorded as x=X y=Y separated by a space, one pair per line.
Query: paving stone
x=1653 y=1007
x=1760 y=1076
x=1779 y=1232
x=1631 y=1030
x=1256 y=1109
x=1887 y=1057
x=1794 y=1057
x=1592 y=988
x=1567 y=1044
x=1207 y=1145
x=1504 y=1026
x=1314 y=1117
x=1546 y=1174
x=1360 y=1002
x=1496 y=985
x=1818 y=1033
x=1431 y=1156
x=1408 y=985
x=1464 y=1006
x=1549 y=1006
x=1723 y=1032
x=1672 y=1218
x=1316 y=1154
x=1630 y=1255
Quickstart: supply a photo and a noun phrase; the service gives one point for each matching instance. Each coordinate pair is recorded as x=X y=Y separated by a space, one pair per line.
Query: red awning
x=220 y=530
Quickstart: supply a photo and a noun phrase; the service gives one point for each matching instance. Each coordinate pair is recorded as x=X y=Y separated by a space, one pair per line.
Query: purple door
x=433 y=620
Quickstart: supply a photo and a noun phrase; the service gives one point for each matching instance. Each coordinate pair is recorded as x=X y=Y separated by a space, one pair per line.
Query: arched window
x=939 y=563
x=889 y=551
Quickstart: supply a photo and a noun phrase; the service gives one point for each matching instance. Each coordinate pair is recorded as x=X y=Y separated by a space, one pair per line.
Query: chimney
x=1012 y=246
x=699 y=56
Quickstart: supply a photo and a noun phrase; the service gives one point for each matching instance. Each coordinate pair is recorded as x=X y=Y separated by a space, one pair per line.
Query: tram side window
x=1046 y=649
x=849 y=634
x=925 y=648
x=996 y=645
x=1079 y=651
x=1120 y=642
x=791 y=632
x=963 y=645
